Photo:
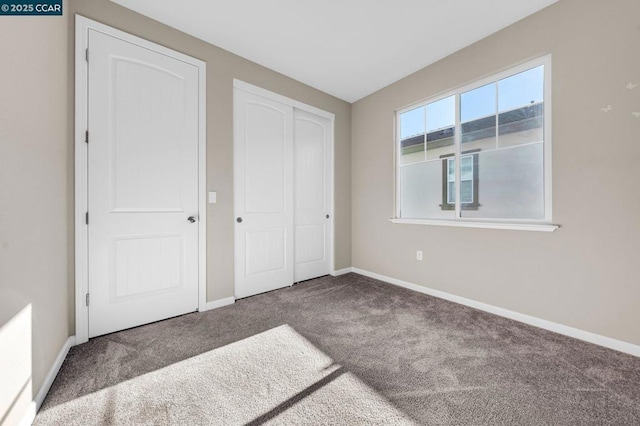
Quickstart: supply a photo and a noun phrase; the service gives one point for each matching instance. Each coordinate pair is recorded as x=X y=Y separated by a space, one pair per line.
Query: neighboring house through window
x=469 y=197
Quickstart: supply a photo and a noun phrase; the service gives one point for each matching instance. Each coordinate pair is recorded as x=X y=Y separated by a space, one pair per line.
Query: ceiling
x=347 y=48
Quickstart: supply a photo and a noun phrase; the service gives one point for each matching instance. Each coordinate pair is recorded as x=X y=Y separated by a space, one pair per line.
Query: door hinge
x=87 y=299
x=86 y=55
x=86 y=136
x=86 y=218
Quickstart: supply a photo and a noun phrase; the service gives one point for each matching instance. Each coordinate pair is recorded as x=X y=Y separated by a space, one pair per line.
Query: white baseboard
x=576 y=333
x=218 y=303
x=53 y=372
x=342 y=271
x=30 y=415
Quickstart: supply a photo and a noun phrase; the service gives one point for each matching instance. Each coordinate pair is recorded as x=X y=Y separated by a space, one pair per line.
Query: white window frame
x=545 y=224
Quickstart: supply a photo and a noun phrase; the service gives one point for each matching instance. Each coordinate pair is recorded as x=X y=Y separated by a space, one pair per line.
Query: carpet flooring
x=275 y=377
x=410 y=357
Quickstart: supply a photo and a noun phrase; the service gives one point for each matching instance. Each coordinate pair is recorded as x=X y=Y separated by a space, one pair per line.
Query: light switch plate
x=213 y=197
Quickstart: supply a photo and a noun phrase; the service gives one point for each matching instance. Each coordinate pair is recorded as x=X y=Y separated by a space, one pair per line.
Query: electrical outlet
x=419 y=255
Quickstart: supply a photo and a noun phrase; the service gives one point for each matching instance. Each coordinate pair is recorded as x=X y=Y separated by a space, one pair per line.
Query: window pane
x=441 y=117
x=441 y=114
x=510 y=184
x=478 y=103
x=466 y=191
x=421 y=191
x=466 y=176
x=520 y=126
x=412 y=136
x=521 y=89
x=478 y=117
x=412 y=123
x=451 y=192
x=466 y=171
x=521 y=105
x=451 y=181
x=451 y=170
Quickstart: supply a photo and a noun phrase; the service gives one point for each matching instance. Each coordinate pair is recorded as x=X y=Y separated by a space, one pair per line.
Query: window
x=493 y=138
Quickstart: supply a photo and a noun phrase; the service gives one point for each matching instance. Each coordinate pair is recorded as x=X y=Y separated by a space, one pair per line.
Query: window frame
x=544 y=224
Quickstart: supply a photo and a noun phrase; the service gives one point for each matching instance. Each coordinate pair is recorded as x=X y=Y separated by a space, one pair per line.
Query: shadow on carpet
x=273 y=377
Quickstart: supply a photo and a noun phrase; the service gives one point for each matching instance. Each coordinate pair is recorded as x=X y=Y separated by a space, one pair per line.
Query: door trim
x=250 y=88
x=83 y=25
x=239 y=84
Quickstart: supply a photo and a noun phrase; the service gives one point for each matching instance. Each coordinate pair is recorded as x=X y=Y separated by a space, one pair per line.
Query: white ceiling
x=347 y=48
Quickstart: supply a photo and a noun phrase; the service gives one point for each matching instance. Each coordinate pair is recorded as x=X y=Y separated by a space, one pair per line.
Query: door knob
x=239 y=220
x=191 y=219
x=327 y=216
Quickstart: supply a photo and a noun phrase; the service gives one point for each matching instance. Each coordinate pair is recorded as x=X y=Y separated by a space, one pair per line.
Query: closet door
x=263 y=187
x=312 y=195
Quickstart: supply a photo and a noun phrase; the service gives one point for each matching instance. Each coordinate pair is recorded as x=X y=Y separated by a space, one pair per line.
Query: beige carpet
x=273 y=377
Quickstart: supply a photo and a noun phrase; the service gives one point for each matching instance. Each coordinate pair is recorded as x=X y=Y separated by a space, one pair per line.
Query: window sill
x=516 y=226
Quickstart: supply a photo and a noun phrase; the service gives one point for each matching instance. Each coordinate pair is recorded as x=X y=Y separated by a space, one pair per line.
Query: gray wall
x=585 y=274
x=36 y=169
x=35 y=188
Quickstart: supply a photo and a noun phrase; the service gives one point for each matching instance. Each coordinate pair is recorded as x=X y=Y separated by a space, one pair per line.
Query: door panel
x=143 y=184
x=313 y=195
x=263 y=181
x=266 y=250
x=148 y=116
x=310 y=244
x=146 y=265
x=265 y=158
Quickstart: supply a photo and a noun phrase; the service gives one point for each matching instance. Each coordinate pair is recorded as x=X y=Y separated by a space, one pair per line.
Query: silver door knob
x=191 y=219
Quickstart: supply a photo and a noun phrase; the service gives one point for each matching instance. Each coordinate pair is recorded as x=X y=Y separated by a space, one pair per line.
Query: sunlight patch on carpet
x=273 y=377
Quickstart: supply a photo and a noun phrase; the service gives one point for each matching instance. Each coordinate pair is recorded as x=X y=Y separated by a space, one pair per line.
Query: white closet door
x=263 y=187
x=143 y=185
x=313 y=195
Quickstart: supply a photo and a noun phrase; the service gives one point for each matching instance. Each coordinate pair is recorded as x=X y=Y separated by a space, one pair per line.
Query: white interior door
x=263 y=188
x=143 y=185
x=313 y=195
